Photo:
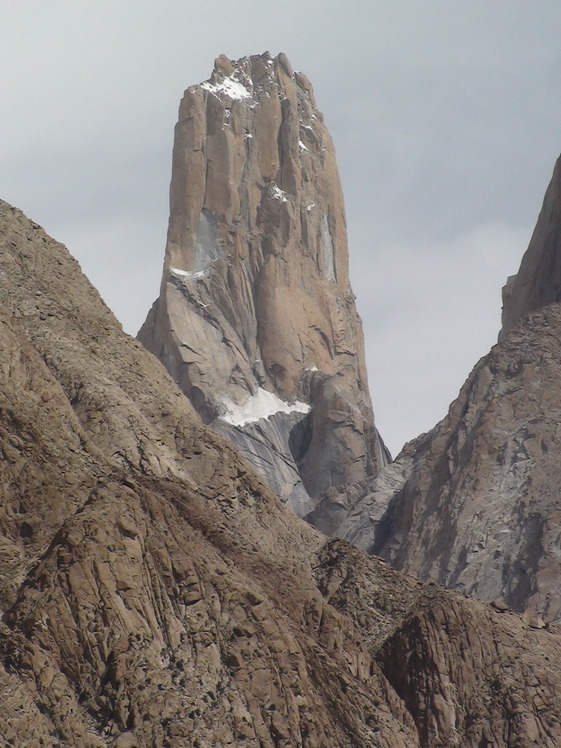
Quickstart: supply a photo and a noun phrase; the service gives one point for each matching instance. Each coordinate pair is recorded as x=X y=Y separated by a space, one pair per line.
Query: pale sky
x=446 y=118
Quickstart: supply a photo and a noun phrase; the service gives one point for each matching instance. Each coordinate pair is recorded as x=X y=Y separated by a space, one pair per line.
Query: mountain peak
x=538 y=281
x=251 y=67
x=256 y=306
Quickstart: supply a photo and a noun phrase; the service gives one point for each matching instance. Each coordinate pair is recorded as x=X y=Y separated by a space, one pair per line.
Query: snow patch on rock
x=229 y=87
x=263 y=404
x=182 y=274
x=278 y=194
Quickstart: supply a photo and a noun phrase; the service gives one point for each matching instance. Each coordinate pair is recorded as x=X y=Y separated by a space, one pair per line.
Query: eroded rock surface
x=256 y=320
x=155 y=593
x=475 y=504
x=538 y=281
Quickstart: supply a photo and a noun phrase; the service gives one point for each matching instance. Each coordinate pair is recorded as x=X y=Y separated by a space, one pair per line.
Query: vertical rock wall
x=256 y=319
x=538 y=281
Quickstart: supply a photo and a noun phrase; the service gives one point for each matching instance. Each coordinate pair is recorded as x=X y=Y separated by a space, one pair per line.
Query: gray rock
x=474 y=504
x=256 y=314
x=538 y=281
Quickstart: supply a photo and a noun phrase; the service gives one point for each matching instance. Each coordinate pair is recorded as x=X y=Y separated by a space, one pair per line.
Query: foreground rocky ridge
x=156 y=593
x=475 y=503
x=256 y=320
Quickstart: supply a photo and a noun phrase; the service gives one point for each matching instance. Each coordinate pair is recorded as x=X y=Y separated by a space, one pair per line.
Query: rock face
x=256 y=320
x=155 y=593
x=475 y=504
x=538 y=282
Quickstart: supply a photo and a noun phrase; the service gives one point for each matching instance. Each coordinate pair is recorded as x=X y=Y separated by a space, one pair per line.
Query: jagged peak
x=253 y=76
x=256 y=319
x=538 y=281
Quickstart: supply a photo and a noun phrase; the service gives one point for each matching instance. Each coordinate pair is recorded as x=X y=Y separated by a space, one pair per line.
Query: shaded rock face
x=538 y=282
x=256 y=320
x=155 y=593
x=475 y=503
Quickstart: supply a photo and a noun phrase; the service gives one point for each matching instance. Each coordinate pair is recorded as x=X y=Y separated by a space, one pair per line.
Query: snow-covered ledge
x=263 y=404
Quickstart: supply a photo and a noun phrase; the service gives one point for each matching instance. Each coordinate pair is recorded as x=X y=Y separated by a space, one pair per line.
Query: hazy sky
x=446 y=118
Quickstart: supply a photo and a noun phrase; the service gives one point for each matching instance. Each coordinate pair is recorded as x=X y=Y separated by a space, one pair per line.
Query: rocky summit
x=538 y=281
x=256 y=320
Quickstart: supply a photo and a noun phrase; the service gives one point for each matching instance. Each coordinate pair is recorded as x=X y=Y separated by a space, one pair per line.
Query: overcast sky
x=446 y=117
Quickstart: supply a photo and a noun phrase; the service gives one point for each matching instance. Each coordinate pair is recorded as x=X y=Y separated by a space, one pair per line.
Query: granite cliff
x=475 y=503
x=256 y=319
x=155 y=593
x=538 y=281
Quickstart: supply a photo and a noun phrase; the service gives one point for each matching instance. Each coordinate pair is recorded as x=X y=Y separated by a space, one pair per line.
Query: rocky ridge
x=538 y=281
x=155 y=593
x=256 y=320
x=474 y=504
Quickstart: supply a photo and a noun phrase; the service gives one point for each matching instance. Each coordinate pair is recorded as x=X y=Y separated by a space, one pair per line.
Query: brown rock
x=538 y=281
x=256 y=315
x=165 y=597
x=473 y=504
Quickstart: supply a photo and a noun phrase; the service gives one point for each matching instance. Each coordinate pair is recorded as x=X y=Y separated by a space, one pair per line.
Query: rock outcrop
x=475 y=503
x=154 y=591
x=256 y=320
x=538 y=282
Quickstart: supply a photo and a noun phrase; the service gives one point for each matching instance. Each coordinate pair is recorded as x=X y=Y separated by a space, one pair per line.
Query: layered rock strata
x=475 y=503
x=155 y=593
x=256 y=320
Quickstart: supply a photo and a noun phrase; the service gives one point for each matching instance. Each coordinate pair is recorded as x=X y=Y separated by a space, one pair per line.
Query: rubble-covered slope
x=256 y=319
x=475 y=504
x=155 y=593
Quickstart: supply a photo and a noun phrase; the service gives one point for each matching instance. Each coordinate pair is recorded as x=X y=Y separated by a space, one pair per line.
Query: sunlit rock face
x=475 y=503
x=256 y=320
